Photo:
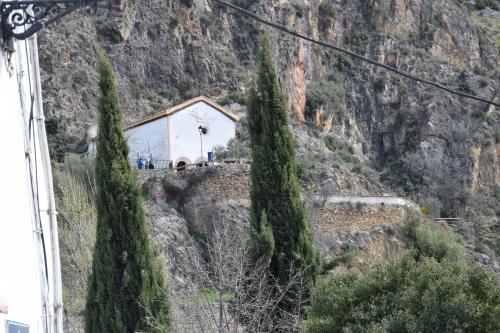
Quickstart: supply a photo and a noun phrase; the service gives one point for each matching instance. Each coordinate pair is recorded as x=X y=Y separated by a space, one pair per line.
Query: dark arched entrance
x=181 y=166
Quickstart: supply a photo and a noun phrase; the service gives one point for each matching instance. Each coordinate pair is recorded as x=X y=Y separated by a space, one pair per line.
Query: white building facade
x=183 y=134
x=30 y=278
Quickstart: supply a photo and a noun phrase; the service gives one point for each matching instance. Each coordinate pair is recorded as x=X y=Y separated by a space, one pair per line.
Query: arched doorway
x=181 y=166
x=181 y=163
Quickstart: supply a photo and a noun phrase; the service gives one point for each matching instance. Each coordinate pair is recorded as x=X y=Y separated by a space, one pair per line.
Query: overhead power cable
x=350 y=53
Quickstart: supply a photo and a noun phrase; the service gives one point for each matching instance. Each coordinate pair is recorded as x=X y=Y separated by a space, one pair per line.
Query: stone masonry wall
x=229 y=182
x=360 y=217
x=367 y=231
x=232 y=182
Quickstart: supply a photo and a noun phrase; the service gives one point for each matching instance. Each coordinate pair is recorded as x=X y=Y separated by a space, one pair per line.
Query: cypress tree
x=126 y=288
x=279 y=224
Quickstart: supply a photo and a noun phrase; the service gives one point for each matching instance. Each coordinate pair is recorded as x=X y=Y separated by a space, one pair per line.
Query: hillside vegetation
x=356 y=130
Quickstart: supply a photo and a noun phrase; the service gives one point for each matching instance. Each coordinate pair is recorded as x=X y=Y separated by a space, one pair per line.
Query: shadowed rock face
x=422 y=141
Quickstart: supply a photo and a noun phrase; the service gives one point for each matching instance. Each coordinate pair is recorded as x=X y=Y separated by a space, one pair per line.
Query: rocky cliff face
x=353 y=122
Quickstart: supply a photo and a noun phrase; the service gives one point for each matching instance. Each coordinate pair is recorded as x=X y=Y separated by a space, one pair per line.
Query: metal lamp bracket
x=34 y=15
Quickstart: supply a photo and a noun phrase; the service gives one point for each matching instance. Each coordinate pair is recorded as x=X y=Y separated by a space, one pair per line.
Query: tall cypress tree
x=279 y=225
x=126 y=287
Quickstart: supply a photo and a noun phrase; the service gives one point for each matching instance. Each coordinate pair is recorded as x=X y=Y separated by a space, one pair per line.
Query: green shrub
x=414 y=38
x=233 y=97
x=432 y=207
x=379 y=83
x=206 y=19
x=311 y=172
x=357 y=168
x=326 y=13
x=483 y=83
x=60 y=141
x=356 y=39
x=110 y=32
x=324 y=93
x=464 y=3
x=340 y=260
x=326 y=8
x=464 y=86
x=80 y=77
x=81 y=169
x=174 y=22
x=244 y=3
x=234 y=149
x=431 y=240
x=408 y=296
x=481 y=4
x=187 y=88
x=336 y=145
x=482 y=212
x=478 y=70
x=479 y=114
x=136 y=90
x=188 y=3
x=157 y=106
x=344 y=63
x=344 y=154
x=299 y=10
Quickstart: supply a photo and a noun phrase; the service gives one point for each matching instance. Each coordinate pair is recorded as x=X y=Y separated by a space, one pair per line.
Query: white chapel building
x=182 y=135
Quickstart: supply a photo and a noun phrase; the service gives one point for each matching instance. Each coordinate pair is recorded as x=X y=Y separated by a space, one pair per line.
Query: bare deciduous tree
x=226 y=292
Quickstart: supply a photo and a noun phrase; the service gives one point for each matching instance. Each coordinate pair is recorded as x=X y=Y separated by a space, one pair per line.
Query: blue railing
x=168 y=164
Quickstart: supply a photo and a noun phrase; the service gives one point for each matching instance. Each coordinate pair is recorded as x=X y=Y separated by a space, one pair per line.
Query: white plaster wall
x=23 y=283
x=153 y=134
x=185 y=136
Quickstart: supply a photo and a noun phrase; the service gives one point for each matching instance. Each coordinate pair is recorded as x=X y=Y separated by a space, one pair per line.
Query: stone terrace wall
x=364 y=226
x=328 y=213
x=228 y=182
x=367 y=232
x=331 y=217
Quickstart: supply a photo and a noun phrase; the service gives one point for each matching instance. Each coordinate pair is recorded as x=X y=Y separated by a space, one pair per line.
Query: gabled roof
x=182 y=106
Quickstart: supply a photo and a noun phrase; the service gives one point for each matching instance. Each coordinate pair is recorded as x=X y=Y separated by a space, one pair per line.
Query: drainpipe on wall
x=56 y=307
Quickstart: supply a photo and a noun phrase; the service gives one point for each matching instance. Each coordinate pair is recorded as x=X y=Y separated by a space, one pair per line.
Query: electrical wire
x=352 y=54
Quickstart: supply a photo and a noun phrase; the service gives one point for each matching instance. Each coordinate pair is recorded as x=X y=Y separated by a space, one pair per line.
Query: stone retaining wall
x=364 y=225
x=229 y=182
x=232 y=182
x=360 y=217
